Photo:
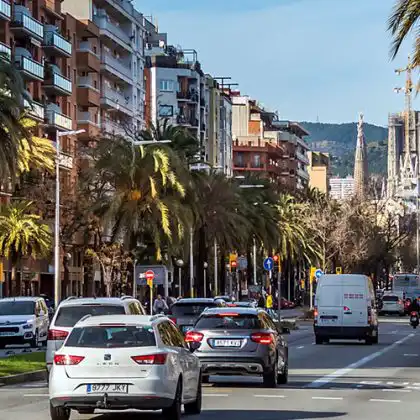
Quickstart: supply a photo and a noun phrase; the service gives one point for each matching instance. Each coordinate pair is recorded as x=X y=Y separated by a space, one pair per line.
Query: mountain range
x=339 y=140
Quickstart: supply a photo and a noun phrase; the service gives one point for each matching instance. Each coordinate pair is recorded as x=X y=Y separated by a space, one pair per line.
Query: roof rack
x=126 y=297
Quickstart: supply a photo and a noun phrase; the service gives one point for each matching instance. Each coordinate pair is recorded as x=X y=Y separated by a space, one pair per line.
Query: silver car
x=186 y=311
x=240 y=341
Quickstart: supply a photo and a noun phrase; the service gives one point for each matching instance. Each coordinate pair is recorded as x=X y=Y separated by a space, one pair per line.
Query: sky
x=308 y=60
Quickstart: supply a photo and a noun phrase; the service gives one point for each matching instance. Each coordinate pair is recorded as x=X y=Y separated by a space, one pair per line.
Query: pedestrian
x=414 y=307
x=261 y=301
x=269 y=301
x=159 y=305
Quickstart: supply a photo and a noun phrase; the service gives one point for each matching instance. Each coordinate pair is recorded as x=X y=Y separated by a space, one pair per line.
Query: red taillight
x=369 y=313
x=67 y=360
x=228 y=314
x=231 y=305
x=173 y=319
x=346 y=308
x=193 y=337
x=150 y=359
x=315 y=312
x=262 y=338
x=57 y=335
x=414 y=313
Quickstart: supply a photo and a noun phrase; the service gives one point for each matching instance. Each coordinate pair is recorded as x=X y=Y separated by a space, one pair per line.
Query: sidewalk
x=297 y=313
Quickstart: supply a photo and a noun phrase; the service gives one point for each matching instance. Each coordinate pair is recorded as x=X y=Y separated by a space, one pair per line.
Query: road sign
x=338 y=270
x=318 y=273
x=268 y=264
x=150 y=275
x=242 y=263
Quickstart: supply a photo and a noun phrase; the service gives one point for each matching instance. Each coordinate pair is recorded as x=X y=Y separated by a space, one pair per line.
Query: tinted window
x=17 y=308
x=69 y=315
x=190 y=309
x=112 y=337
x=165 y=334
x=240 y=322
x=390 y=299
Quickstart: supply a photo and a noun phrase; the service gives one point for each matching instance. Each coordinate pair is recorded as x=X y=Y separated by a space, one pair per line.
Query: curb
x=38 y=375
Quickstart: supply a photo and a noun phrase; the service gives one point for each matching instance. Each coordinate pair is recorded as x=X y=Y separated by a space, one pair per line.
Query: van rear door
x=329 y=300
x=355 y=306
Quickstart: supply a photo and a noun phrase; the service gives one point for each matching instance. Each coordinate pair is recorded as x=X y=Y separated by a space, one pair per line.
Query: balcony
x=116 y=100
x=115 y=67
x=25 y=25
x=55 y=44
x=112 y=31
x=187 y=96
x=5 y=10
x=53 y=8
x=183 y=120
x=302 y=158
x=58 y=121
x=57 y=85
x=87 y=94
x=6 y=50
x=114 y=128
x=66 y=161
x=30 y=69
x=87 y=59
x=36 y=111
x=86 y=121
x=303 y=174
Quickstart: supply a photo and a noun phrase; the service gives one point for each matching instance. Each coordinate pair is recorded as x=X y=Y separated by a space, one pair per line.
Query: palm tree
x=12 y=130
x=22 y=234
x=402 y=22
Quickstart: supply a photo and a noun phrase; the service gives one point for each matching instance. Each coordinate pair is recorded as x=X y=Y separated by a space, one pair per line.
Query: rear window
x=112 y=337
x=190 y=309
x=68 y=316
x=240 y=322
x=390 y=299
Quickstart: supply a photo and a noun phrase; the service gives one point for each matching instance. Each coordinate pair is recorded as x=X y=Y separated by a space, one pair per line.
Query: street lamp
x=180 y=264
x=57 y=272
x=205 y=266
x=252 y=186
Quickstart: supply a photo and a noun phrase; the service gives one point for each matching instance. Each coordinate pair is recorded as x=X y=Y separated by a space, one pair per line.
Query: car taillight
x=414 y=313
x=369 y=315
x=57 y=335
x=400 y=301
x=346 y=308
x=262 y=338
x=172 y=319
x=193 y=337
x=67 y=360
x=150 y=359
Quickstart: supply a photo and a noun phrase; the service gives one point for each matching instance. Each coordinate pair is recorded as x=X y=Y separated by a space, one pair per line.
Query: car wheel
x=195 y=407
x=283 y=377
x=319 y=340
x=59 y=413
x=34 y=342
x=270 y=377
x=174 y=411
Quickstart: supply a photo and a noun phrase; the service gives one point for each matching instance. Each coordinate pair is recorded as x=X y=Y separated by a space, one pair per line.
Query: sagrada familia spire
x=360 y=162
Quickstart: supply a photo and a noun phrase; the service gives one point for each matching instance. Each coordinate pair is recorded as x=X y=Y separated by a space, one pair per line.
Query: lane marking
x=269 y=396
x=215 y=395
x=396 y=390
x=411 y=355
x=300 y=347
x=341 y=372
x=327 y=398
x=379 y=400
x=36 y=395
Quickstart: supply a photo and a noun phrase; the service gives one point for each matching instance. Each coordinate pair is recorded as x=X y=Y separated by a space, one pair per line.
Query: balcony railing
x=35 y=109
x=30 y=67
x=54 y=39
x=59 y=120
x=5 y=10
x=31 y=25
x=60 y=82
x=110 y=61
x=86 y=117
x=6 y=50
x=86 y=81
x=117 y=97
x=86 y=46
x=104 y=24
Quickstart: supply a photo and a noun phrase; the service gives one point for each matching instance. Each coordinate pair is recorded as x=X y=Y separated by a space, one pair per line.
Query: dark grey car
x=185 y=312
x=240 y=341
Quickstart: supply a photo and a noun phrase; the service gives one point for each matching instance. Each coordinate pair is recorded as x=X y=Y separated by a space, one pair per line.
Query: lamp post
x=180 y=264
x=205 y=266
x=191 y=263
x=57 y=273
x=215 y=267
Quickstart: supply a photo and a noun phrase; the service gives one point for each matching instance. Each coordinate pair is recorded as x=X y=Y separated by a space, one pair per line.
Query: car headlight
x=27 y=326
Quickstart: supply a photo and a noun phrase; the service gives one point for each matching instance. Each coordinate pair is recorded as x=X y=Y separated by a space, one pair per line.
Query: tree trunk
x=222 y=273
x=13 y=279
x=202 y=256
x=66 y=278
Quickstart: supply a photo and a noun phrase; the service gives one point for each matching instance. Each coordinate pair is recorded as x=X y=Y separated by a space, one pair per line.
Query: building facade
x=341 y=188
x=319 y=171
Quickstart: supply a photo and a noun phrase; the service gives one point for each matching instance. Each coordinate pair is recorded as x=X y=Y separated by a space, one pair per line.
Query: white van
x=345 y=308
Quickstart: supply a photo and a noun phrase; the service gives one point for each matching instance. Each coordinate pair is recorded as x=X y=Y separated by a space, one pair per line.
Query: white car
x=392 y=303
x=125 y=362
x=71 y=310
x=23 y=320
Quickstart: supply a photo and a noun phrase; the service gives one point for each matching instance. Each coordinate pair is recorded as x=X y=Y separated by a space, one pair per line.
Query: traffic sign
x=150 y=275
x=338 y=270
x=242 y=263
x=318 y=273
x=268 y=264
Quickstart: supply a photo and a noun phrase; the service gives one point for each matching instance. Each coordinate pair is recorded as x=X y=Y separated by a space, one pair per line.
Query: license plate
x=227 y=343
x=329 y=320
x=413 y=318
x=113 y=388
x=6 y=334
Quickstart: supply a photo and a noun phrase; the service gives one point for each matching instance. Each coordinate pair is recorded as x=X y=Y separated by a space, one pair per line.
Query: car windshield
x=228 y=322
x=112 y=337
x=190 y=309
x=17 y=308
x=390 y=298
x=68 y=316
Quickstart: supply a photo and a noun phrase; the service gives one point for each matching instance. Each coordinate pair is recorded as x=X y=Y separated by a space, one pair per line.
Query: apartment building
x=225 y=136
x=265 y=146
x=342 y=188
x=119 y=44
x=319 y=171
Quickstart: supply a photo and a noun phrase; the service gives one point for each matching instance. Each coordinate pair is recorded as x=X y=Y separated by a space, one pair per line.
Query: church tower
x=360 y=162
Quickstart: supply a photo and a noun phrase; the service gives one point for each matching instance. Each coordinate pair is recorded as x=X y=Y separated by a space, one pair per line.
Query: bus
x=408 y=284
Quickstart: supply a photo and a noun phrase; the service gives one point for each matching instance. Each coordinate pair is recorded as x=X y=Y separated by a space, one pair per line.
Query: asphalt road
x=341 y=380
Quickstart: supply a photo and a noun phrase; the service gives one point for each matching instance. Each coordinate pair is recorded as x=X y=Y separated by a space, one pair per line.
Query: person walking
x=159 y=305
x=269 y=301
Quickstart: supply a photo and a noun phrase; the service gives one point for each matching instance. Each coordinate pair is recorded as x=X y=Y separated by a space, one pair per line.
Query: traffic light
x=338 y=270
x=312 y=274
x=233 y=261
x=277 y=262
